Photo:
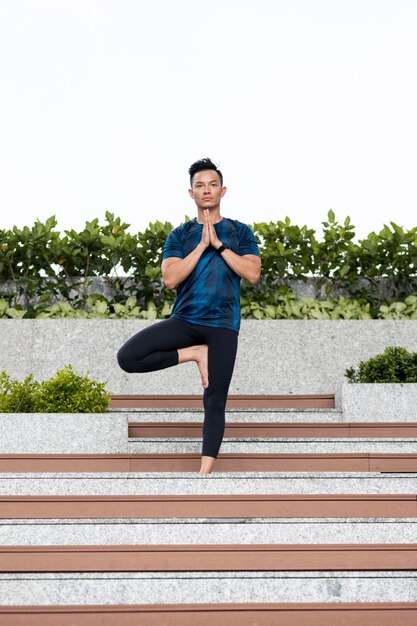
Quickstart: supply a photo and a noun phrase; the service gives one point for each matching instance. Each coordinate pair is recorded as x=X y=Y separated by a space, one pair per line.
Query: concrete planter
x=274 y=356
x=379 y=402
x=63 y=433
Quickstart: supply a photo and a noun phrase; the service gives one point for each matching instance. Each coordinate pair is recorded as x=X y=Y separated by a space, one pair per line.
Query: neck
x=214 y=214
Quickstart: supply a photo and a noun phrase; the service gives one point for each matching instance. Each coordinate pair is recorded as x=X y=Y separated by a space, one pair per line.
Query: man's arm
x=175 y=270
x=247 y=266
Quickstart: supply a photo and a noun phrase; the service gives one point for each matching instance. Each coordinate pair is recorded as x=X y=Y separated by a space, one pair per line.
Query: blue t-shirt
x=210 y=295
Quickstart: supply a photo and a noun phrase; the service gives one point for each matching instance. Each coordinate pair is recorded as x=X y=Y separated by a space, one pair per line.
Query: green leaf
x=331 y=216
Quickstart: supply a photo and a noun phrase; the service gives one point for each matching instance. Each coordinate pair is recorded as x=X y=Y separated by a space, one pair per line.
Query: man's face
x=207 y=190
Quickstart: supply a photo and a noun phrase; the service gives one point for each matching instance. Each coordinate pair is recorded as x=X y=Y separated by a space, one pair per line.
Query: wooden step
x=230 y=614
x=208 y=558
x=359 y=462
x=388 y=430
x=208 y=506
x=320 y=401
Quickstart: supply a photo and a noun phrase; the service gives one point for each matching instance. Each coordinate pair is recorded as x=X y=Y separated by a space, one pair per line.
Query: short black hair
x=200 y=166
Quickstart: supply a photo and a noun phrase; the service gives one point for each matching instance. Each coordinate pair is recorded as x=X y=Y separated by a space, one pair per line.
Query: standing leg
x=222 y=347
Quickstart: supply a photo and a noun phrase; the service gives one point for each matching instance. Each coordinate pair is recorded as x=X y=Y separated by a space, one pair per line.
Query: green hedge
x=379 y=271
x=287 y=306
x=394 y=365
x=66 y=392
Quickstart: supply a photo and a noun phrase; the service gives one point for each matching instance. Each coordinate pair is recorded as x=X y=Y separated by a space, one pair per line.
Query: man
x=205 y=260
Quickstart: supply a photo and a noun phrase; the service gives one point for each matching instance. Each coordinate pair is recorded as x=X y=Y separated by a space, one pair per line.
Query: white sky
x=306 y=105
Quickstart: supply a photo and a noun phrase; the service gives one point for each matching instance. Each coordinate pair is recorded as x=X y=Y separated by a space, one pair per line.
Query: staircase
x=306 y=520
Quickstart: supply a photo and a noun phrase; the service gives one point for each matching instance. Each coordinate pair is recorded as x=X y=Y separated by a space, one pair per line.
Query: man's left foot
x=207 y=463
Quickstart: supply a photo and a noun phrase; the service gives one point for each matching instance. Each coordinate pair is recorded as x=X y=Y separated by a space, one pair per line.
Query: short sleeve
x=247 y=242
x=173 y=245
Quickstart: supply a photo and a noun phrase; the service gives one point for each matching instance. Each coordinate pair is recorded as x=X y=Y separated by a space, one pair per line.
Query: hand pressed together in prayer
x=209 y=235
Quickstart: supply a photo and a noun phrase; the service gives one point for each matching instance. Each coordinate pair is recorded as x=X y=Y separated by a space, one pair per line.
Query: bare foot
x=199 y=354
x=207 y=463
x=202 y=363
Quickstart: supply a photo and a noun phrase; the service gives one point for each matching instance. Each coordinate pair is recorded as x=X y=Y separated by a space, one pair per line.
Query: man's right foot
x=202 y=363
x=199 y=354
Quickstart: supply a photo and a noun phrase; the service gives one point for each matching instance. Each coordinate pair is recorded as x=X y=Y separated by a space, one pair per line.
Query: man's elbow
x=254 y=277
x=169 y=284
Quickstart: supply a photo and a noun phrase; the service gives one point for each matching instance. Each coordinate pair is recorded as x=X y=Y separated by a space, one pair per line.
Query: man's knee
x=124 y=361
x=215 y=402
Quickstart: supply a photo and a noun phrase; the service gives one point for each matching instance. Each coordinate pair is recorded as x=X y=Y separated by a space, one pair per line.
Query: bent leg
x=197 y=353
x=156 y=347
x=222 y=348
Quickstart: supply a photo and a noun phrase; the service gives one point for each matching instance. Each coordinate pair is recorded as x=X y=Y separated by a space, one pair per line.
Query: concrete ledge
x=384 y=401
x=276 y=446
x=131 y=588
x=161 y=483
x=274 y=356
x=63 y=433
x=191 y=531
x=236 y=415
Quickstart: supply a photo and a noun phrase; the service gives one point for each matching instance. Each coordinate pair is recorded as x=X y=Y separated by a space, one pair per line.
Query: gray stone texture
x=237 y=415
x=161 y=483
x=274 y=356
x=131 y=588
x=63 y=433
x=383 y=401
x=277 y=446
x=206 y=531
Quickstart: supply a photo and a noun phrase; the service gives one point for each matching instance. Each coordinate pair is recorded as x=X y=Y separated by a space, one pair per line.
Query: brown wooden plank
x=254 y=463
x=208 y=558
x=207 y=506
x=226 y=614
x=393 y=463
x=354 y=462
x=383 y=429
x=275 y=430
x=64 y=463
x=237 y=429
x=312 y=401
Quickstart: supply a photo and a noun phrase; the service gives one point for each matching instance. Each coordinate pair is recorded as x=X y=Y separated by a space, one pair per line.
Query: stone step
x=289 y=416
x=163 y=483
x=171 y=590
x=209 y=506
x=346 y=530
x=238 y=415
x=269 y=430
x=276 y=446
x=234 y=401
x=356 y=462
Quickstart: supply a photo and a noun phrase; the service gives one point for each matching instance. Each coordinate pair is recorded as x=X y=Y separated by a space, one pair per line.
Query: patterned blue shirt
x=210 y=295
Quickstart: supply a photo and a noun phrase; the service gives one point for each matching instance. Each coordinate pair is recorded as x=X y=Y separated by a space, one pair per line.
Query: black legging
x=155 y=348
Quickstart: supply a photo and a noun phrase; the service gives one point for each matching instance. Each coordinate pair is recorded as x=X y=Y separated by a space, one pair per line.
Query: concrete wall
x=274 y=356
x=63 y=433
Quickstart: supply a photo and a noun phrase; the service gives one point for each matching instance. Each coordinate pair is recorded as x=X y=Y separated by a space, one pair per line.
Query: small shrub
x=66 y=392
x=394 y=365
x=17 y=396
